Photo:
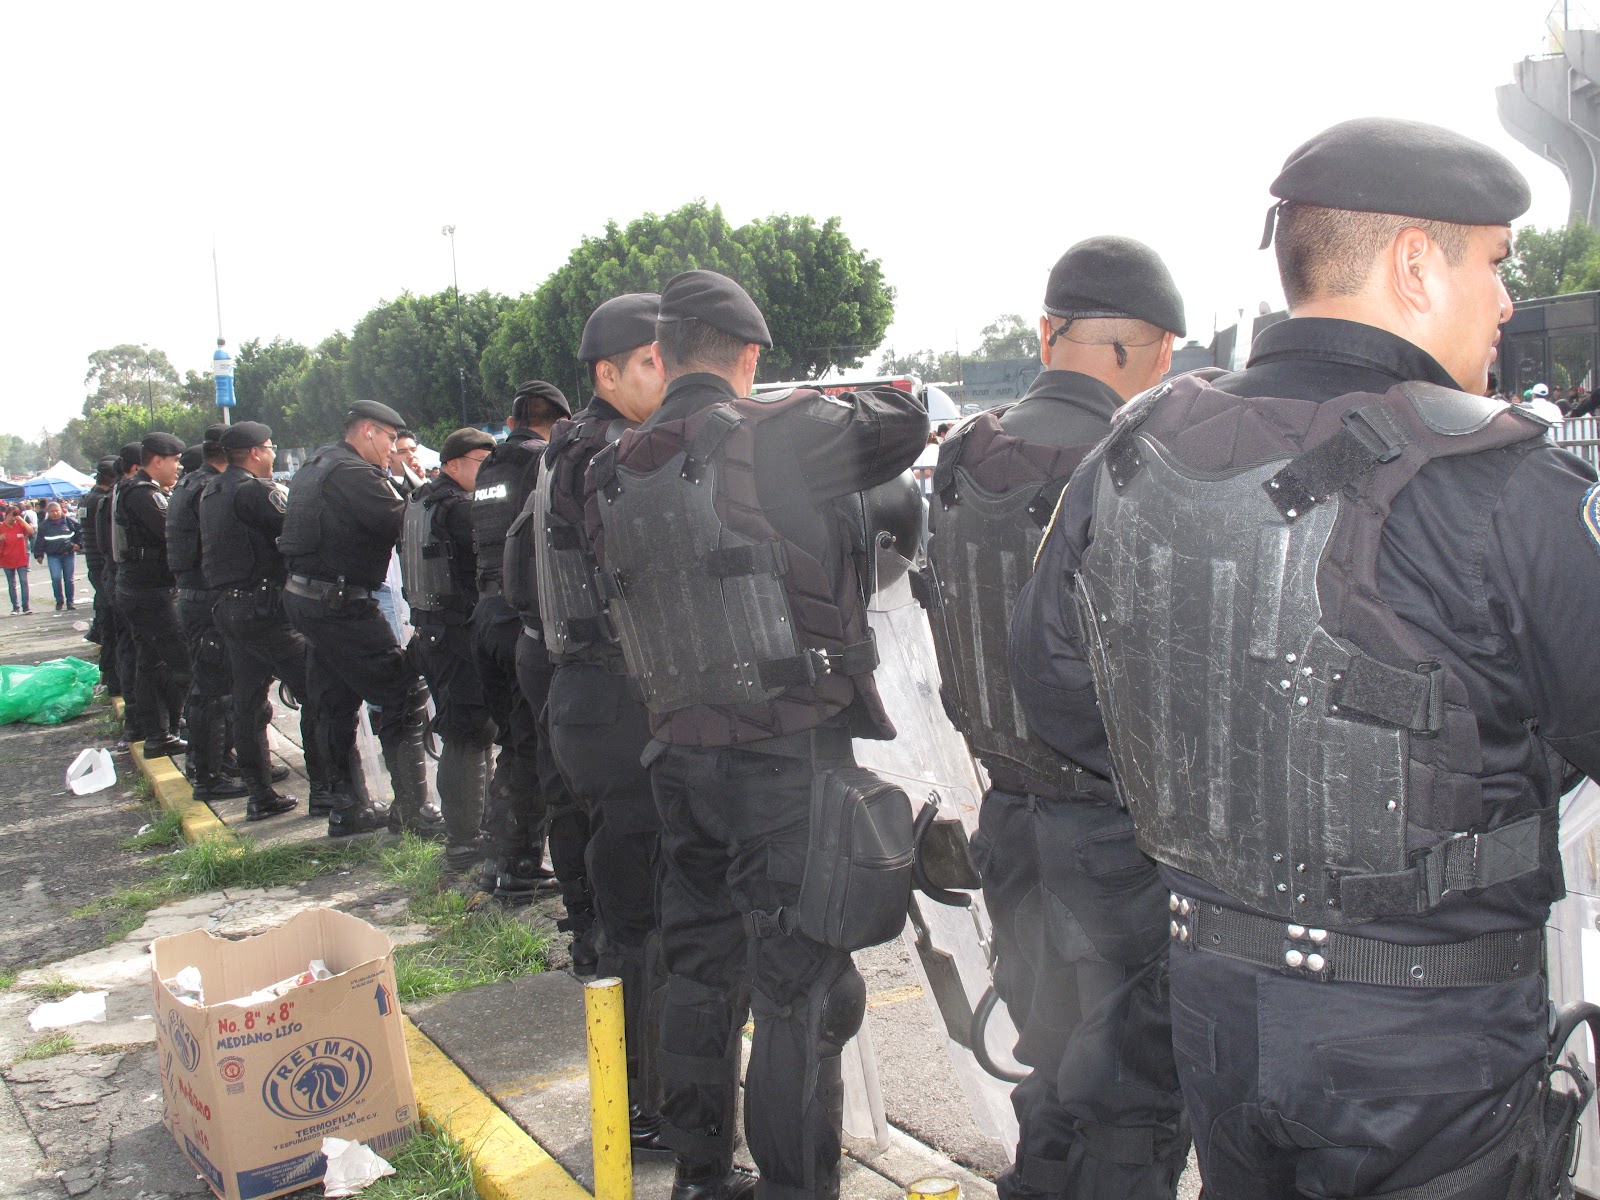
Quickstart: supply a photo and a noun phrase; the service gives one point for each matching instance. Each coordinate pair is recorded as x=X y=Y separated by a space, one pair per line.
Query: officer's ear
x=1044 y=341
x=1413 y=263
x=656 y=364
x=1167 y=340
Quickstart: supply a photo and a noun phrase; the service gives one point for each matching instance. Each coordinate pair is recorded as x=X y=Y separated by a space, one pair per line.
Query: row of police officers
x=1274 y=753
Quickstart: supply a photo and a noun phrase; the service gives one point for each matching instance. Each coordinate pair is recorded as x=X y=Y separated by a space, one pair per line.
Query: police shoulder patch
x=1591 y=512
x=160 y=498
x=279 y=498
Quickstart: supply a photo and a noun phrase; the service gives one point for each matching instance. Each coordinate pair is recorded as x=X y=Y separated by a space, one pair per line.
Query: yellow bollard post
x=608 y=1090
x=936 y=1188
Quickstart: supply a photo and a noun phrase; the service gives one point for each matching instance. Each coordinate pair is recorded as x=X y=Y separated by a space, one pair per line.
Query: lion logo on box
x=317 y=1078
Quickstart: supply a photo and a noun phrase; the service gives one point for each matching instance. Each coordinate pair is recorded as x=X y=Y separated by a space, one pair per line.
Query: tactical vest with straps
x=713 y=607
x=183 y=528
x=130 y=541
x=994 y=494
x=430 y=577
x=574 y=622
x=1277 y=730
x=498 y=497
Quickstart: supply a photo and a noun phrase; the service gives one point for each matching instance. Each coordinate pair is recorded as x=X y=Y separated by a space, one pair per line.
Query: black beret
x=111 y=464
x=1405 y=168
x=718 y=301
x=161 y=443
x=623 y=323
x=130 y=454
x=246 y=434
x=192 y=457
x=1114 y=277
x=214 y=433
x=464 y=441
x=371 y=410
x=538 y=389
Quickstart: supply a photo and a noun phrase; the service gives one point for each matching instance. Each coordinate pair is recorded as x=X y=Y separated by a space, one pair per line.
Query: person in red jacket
x=14 y=538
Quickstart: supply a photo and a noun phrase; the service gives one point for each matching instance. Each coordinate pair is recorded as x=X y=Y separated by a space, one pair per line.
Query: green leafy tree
x=108 y=429
x=1009 y=336
x=927 y=365
x=129 y=374
x=315 y=417
x=825 y=302
x=1553 y=262
x=403 y=353
x=265 y=378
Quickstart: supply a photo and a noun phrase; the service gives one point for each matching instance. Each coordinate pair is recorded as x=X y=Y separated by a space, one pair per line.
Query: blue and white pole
x=222 y=373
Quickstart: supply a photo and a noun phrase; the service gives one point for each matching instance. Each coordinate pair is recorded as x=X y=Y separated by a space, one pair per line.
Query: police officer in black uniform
x=1080 y=914
x=440 y=571
x=733 y=778
x=95 y=553
x=514 y=820
x=145 y=595
x=207 y=706
x=342 y=522
x=241 y=516
x=598 y=725
x=127 y=461
x=1330 y=601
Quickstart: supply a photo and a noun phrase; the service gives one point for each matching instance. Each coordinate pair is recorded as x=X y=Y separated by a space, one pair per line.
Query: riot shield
x=929 y=759
x=1573 y=949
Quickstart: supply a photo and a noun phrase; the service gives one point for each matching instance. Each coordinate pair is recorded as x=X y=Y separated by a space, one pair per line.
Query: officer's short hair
x=402 y=434
x=238 y=458
x=690 y=343
x=619 y=363
x=1329 y=251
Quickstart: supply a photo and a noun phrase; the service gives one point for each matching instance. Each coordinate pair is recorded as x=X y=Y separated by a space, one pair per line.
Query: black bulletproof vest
x=183 y=528
x=90 y=520
x=323 y=540
x=504 y=482
x=1277 y=730
x=574 y=624
x=237 y=554
x=993 y=496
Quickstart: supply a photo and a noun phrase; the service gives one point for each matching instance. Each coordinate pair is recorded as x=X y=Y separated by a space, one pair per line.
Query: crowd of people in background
x=49 y=532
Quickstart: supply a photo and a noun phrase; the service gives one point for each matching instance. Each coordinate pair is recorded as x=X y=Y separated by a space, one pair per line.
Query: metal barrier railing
x=1581 y=435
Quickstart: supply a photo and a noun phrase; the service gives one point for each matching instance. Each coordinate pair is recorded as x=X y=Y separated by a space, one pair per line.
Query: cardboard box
x=249 y=1091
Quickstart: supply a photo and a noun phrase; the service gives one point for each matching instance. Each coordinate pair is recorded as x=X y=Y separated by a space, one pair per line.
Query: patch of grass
x=431 y=1166
x=211 y=866
x=474 y=949
x=144 y=789
x=47 y=1047
x=8 y=980
x=54 y=988
x=416 y=865
x=166 y=830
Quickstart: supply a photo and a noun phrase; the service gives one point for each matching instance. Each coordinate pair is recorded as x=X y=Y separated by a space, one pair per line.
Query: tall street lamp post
x=449 y=231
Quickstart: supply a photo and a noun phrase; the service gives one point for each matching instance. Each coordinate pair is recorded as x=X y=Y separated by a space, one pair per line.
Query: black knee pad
x=839 y=1006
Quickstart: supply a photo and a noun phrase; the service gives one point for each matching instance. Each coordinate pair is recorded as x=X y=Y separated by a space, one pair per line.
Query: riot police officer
x=1080 y=914
x=741 y=735
x=145 y=589
x=514 y=820
x=598 y=726
x=339 y=530
x=95 y=553
x=241 y=516
x=1328 y=603
x=440 y=570
x=206 y=708
x=127 y=464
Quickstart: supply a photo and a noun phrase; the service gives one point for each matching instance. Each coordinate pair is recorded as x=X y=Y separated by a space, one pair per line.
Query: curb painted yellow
x=174 y=794
x=507 y=1164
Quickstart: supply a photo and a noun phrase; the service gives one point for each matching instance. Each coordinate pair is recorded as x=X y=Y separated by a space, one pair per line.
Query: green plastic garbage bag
x=47 y=694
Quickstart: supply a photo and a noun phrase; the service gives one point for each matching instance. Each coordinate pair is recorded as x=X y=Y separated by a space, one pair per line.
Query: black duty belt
x=263 y=588
x=322 y=589
x=1329 y=956
x=198 y=594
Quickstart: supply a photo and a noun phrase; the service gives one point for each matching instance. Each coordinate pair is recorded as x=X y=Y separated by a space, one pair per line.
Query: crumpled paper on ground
x=74 y=1010
x=351 y=1167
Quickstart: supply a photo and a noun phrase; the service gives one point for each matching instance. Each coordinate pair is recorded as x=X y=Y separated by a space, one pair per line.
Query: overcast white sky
x=324 y=145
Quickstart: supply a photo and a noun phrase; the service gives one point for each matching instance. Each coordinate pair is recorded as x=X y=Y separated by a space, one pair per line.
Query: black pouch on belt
x=857 y=880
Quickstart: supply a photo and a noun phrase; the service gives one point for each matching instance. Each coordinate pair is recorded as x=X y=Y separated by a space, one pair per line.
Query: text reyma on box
x=268 y=1056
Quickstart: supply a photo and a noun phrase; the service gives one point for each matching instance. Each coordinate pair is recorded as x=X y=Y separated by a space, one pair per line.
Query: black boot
x=350 y=812
x=410 y=812
x=713 y=1181
x=165 y=746
x=210 y=749
x=320 y=803
x=644 y=1129
x=269 y=804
